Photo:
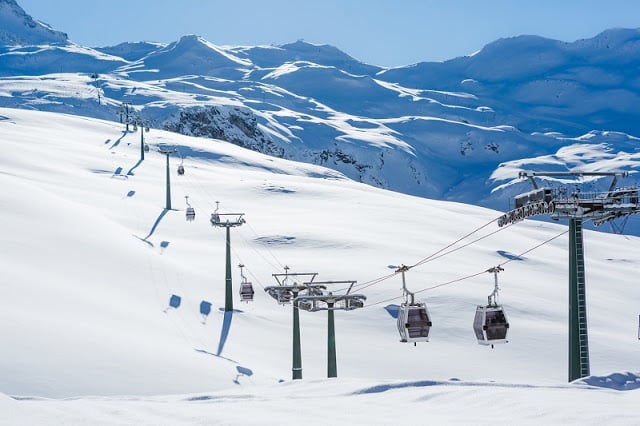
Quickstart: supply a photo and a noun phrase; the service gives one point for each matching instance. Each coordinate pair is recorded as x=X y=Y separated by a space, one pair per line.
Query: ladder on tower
x=583 y=335
x=578 y=333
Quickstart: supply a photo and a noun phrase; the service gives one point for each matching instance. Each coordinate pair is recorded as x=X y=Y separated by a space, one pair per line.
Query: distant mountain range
x=457 y=130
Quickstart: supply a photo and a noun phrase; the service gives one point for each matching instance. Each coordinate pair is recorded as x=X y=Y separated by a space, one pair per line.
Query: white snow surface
x=91 y=259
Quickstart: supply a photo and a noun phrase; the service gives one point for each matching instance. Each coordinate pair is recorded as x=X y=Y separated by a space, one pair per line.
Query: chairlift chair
x=490 y=324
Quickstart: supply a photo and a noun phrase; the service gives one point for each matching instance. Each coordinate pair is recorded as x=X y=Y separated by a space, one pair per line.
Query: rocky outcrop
x=232 y=124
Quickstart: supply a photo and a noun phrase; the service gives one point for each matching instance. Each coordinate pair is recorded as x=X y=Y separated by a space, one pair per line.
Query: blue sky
x=379 y=32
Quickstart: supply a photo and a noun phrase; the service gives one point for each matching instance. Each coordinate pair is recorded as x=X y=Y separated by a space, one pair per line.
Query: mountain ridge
x=13 y=19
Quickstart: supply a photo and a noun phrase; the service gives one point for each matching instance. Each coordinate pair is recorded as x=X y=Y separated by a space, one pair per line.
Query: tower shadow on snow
x=130 y=172
x=117 y=142
x=224 y=333
x=153 y=229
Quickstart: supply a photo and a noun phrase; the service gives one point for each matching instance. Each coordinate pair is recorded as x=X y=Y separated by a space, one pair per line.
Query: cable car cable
x=428 y=258
x=469 y=276
x=438 y=254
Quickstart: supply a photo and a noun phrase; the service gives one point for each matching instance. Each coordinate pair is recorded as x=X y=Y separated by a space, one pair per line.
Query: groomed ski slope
x=91 y=258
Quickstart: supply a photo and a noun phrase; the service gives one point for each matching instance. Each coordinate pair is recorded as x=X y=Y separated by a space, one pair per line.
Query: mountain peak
x=315 y=52
x=19 y=28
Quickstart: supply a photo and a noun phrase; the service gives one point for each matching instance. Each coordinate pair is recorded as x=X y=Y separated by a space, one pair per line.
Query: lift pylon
x=227 y=221
x=331 y=303
x=286 y=292
x=168 y=152
x=576 y=206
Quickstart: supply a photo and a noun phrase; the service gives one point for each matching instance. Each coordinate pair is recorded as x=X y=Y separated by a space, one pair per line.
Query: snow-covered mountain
x=448 y=130
x=18 y=28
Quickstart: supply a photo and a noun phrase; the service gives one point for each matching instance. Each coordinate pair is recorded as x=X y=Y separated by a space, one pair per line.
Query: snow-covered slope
x=92 y=259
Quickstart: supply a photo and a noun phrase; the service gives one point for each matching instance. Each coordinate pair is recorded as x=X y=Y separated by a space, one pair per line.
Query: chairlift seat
x=414 y=322
x=490 y=325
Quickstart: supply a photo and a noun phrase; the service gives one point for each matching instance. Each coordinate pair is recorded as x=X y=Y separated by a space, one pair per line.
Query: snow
x=14 y=20
x=91 y=259
x=592 y=157
x=347 y=402
x=439 y=130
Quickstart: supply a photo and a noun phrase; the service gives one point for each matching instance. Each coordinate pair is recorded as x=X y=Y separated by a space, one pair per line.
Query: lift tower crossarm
x=286 y=275
x=614 y=182
x=599 y=207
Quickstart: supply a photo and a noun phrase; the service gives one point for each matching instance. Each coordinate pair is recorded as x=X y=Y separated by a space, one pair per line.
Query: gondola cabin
x=490 y=325
x=190 y=214
x=180 y=170
x=283 y=296
x=305 y=305
x=351 y=304
x=246 y=292
x=146 y=147
x=414 y=322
